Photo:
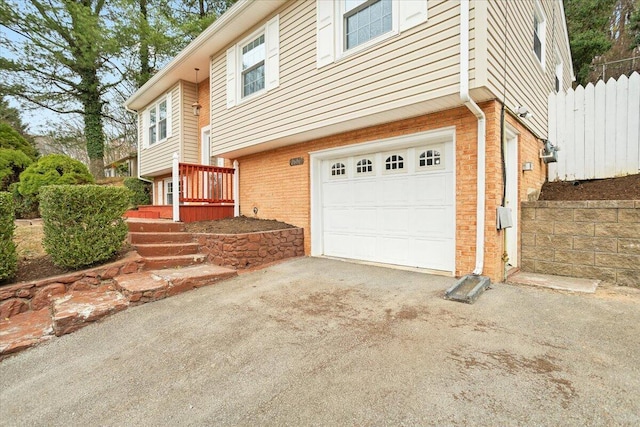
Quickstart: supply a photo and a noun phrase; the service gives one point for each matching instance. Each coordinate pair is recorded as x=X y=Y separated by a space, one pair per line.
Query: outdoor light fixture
x=196 y=105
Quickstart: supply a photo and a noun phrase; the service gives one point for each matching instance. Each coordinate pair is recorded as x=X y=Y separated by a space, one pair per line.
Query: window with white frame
x=365 y=20
x=345 y=26
x=539 y=27
x=253 y=65
x=364 y=167
x=252 y=60
x=157 y=122
x=430 y=158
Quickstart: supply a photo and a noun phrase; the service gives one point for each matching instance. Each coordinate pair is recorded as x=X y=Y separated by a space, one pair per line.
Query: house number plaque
x=296 y=161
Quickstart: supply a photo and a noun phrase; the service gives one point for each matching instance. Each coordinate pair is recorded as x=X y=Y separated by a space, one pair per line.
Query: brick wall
x=280 y=191
x=591 y=239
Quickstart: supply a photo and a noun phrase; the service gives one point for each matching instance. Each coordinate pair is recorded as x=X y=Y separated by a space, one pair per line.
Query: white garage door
x=393 y=207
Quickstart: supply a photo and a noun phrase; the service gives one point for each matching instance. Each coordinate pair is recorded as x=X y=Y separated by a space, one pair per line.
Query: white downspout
x=482 y=139
x=139 y=153
x=236 y=189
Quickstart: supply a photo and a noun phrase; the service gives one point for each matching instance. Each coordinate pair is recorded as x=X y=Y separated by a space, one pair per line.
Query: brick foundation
x=251 y=249
x=590 y=239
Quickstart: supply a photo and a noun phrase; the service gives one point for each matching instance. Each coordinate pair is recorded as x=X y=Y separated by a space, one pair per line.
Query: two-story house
x=390 y=130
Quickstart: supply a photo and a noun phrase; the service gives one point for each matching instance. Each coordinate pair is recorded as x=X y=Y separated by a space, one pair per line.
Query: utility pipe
x=139 y=153
x=465 y=97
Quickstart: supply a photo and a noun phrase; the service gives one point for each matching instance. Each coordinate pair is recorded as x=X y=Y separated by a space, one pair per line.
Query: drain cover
x=468 y=288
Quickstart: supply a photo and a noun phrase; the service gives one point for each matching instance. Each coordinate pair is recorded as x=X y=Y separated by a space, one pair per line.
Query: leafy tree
x=53 y=169
x=11 y=139
x=60 y=55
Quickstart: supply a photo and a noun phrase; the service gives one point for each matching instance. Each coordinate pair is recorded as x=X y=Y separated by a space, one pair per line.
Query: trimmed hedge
x=8 y=257
x=53 y=169
x=141 y=191
x=83 y=224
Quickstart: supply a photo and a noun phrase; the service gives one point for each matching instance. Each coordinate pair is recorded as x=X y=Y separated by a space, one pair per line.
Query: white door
x=394 y=207
x=511 y=197
x=205 y=146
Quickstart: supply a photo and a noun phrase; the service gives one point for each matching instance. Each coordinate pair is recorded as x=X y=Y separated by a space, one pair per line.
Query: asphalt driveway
x=324 y=342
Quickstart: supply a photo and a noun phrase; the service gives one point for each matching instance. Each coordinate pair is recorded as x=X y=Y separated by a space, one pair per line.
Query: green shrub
x=83 y=224
x=26 y=207
x=12 y=164
x=141 y=191
x=8 y=257
x=53 y=169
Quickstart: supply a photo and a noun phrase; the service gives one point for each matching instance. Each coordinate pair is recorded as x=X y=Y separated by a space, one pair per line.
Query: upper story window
x=253 y=65
x=346 y=26
x=539 y=29
x=365 y=20
x=253 y=55
x=157 y=122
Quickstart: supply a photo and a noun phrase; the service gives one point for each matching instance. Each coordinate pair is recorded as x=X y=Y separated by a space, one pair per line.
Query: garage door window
x=394 y=163
x=338 y=170
x=364 y=167
x=431 y=159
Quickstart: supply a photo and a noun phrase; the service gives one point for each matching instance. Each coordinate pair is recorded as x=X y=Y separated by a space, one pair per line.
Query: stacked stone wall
x=590 y=239
x=251 y=249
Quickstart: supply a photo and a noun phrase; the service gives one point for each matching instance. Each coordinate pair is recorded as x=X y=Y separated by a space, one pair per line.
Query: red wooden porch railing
x=205 y=184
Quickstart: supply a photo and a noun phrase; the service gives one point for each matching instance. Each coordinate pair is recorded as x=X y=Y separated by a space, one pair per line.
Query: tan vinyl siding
x=157 y=157
x=190 y=131
x=527 y=82
x=396 y=73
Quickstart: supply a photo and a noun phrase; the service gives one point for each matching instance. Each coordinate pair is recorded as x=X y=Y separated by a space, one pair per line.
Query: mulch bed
x=622 y=188
x=237 y=225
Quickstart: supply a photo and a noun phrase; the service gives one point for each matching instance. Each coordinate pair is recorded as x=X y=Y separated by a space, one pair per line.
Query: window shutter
x=272 y=72
x=231 y=77
x=169 y=115
x=145 y=129
x=325 y=42
x=412 y=13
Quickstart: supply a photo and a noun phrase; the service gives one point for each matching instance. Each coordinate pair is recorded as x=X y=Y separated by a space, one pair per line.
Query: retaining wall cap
x=582 y=204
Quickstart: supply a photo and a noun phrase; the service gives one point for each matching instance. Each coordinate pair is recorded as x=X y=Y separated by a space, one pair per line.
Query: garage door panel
x=393 y=190
x=338 y=244
x=433 y=253
x=364 y=220
x=393 y=250
x=337 y=219
x=432 y=189
x=337 y=193
x=364 y=192
x=393 y=221
x=437 y=222
x=364 y=247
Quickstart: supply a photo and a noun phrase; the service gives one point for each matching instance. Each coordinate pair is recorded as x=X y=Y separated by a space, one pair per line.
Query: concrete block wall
x=591 y=239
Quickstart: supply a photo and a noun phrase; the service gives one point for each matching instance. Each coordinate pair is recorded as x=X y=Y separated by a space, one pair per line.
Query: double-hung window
x=539 y=33
x=157 y=122
x=253 y=55
x=365 y=20
x=253 y=64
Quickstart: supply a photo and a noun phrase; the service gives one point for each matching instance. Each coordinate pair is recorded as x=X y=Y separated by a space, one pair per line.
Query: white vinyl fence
x=597 y=129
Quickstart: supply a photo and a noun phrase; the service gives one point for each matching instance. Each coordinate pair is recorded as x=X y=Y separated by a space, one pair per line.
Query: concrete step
x=562 y=283
x=137 y=225
x=160 y=262
x=24 y=330
x=76 y=309
x=153 y=285
x=151 y=238
x=166 y=249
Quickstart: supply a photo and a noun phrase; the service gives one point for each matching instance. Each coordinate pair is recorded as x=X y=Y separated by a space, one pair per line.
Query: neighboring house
x=126 y=166
x=375 y=125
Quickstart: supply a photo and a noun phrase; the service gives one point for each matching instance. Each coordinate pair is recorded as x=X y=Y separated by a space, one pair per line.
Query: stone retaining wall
x=37 y=294
x=590 y=239
x=251 y=249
